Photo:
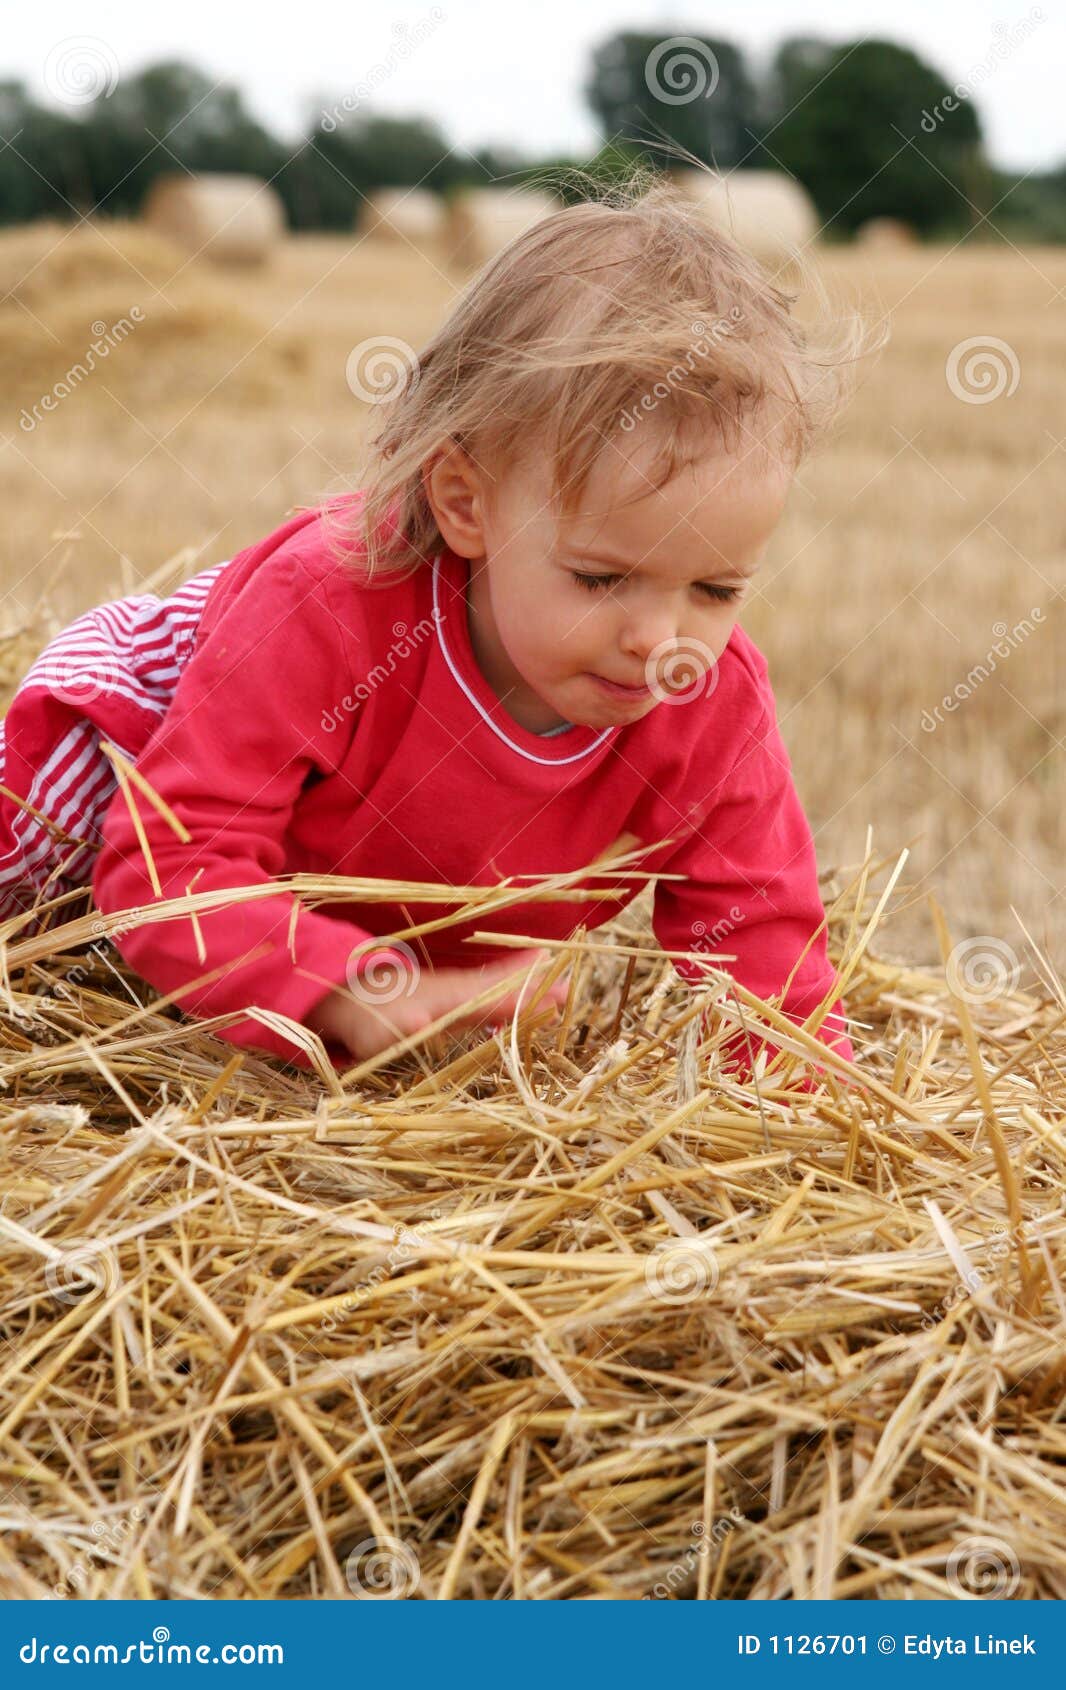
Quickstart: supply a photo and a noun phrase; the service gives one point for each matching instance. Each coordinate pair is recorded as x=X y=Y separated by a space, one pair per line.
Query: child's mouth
x=616 y=690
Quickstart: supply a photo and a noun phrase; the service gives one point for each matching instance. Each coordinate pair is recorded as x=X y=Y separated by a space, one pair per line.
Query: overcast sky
x=490 y=71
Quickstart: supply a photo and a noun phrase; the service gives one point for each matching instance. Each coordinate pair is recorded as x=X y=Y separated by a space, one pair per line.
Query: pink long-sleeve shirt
x=324 y=725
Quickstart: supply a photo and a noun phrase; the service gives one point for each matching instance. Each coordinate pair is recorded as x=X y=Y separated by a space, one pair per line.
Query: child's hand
x=366 y=1028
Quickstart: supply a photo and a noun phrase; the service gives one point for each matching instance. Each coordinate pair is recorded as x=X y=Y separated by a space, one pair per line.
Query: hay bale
x=765 y=211
x=43 y=261
x=886 y=234
x=481 y=221
x=403 y=214
x=561 y=1314
x=230 y=219
x=95 y=314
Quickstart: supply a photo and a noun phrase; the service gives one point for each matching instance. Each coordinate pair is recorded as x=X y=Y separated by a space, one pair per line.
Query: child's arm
x=753 y=892
x=241 y=735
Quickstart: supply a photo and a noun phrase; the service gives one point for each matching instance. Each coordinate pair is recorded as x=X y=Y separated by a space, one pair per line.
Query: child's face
x=641 y=588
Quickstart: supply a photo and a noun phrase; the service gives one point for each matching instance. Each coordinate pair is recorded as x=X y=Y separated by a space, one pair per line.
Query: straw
x=567 y=1311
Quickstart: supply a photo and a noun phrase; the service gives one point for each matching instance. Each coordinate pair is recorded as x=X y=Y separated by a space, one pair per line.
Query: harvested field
x=562 y=1312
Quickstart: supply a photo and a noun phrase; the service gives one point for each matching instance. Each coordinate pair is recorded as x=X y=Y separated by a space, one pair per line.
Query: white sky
x=491 y=72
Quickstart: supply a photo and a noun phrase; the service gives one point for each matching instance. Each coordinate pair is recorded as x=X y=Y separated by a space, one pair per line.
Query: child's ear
x=454 y=487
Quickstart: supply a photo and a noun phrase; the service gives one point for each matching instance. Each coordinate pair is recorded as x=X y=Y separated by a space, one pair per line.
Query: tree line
x=868 y=127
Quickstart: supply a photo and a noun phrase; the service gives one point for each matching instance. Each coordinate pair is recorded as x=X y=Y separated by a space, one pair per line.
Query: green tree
x=1030 y=207
x=347 y=155
x=42 y=163
x=871 y=130
x=690 y=92
x=169 y=116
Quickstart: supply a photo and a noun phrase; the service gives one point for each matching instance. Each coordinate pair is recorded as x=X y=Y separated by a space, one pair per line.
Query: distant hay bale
x=43 y=260
x=765 y=211
x=103 y=312
x=481 y=221
x=230 y=219
x=886 y=234
x=403 y=214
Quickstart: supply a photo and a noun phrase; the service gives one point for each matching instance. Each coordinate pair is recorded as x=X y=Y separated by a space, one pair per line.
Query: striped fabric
x=110 y=675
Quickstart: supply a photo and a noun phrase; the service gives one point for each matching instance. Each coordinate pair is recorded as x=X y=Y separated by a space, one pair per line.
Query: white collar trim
x=550 y=762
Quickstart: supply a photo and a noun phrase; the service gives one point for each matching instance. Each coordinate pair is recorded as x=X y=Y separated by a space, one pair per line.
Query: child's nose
x=650 y=634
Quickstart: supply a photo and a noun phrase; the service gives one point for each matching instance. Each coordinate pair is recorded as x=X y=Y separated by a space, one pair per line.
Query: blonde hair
x=580 y=323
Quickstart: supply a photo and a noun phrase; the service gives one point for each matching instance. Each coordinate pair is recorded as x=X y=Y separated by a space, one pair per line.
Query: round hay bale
x=230 y=219
x=402 y=214
x=49 y=260
x=886 y=234
x=101 y=312
x=481 y=221
x=765 y=211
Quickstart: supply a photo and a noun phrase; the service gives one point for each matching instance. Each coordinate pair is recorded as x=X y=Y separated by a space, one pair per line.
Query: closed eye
x=597 y=583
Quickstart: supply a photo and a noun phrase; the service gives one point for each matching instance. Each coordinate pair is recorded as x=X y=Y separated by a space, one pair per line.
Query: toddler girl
x=516 y=645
